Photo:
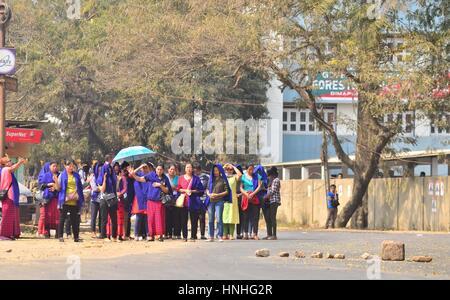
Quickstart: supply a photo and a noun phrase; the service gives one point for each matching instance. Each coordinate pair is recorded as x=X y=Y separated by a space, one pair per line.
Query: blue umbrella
x=133 y=154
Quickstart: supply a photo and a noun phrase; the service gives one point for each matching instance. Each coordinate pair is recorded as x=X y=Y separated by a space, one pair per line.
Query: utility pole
x=5 y=16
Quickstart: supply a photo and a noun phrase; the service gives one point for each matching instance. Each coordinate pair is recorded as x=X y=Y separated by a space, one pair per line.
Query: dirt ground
x=29 y=248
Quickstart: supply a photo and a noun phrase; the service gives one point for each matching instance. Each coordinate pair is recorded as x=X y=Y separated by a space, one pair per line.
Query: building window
x=406 y=119
x=302 y=121
x=440 y=125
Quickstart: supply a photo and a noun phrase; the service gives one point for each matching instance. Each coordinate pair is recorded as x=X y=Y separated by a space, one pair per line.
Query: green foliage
x=120 y=75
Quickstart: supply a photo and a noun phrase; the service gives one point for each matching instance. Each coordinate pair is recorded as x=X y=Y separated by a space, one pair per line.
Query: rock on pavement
x=422 y=259
x=393 y=251
x=262 y=253
x=299 y=254
x=284 y=254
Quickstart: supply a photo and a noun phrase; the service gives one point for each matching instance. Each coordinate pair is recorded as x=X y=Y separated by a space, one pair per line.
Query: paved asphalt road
x=236 y=260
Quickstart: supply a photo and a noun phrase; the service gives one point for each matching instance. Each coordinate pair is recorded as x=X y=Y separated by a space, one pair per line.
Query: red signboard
x=17 y=135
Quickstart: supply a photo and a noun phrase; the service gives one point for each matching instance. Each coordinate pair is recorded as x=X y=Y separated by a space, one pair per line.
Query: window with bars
x=441 y=125
x=302 y=121
x=406 y=119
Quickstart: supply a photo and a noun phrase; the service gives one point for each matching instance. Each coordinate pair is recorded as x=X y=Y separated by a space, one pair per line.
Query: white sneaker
x=210 y=240
x=220 y=240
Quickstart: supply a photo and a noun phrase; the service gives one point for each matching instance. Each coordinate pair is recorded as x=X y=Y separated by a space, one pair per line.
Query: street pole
x=3 y=23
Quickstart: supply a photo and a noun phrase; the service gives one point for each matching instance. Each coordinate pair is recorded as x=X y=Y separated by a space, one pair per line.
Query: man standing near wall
x=332 y=204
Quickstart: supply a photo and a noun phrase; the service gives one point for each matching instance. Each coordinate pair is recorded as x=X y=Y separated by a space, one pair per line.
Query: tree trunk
x=359 y=219
x=366 y=164
x=360 y=186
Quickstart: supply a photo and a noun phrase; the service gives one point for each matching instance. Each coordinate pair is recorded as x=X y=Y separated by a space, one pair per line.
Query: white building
x=302 y=141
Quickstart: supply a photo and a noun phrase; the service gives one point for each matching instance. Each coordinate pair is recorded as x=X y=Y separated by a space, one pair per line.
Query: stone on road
x=422 y=259
x=299 y=254
x=262 y=253
x=393 y=251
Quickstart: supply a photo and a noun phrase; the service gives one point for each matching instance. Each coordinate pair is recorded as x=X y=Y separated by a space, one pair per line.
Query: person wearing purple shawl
x=70 y=200
x=41 y=223
x=218 y=193
x=49 y=213
x=261 y=174
x=139 y=206
x=107 y=181
x=10 y=224
x=159 y=185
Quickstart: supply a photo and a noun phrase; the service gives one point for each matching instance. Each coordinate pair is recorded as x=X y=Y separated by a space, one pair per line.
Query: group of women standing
x=163 y=202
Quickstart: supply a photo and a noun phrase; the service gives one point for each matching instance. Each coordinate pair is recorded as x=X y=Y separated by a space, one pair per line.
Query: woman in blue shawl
x=250 y=187
x=10 y=224
x=70 y=200
x=49 y=213
x=159 y=186
x=218 y=193
x=261 y=174
x=41 y=222
x=139 y=206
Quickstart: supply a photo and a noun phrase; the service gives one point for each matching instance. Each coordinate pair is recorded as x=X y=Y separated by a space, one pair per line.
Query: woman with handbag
x=231 y=210
x=70 y=200
x=49 y=213
x=218 y=193
x=189 y=191
x=9 y=195
x=191 y=188
x=159 y=186
x=250 y=186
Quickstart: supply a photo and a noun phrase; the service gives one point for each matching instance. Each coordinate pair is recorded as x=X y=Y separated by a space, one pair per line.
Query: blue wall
x=303 y=147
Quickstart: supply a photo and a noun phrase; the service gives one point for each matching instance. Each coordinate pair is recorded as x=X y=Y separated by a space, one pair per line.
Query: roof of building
x=337 y=162
x=24 y=123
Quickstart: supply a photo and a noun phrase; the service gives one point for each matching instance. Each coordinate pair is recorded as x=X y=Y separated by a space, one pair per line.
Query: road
x=236 y=259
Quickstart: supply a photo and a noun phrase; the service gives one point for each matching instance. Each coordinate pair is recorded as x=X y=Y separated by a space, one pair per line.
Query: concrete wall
x=394 y=203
